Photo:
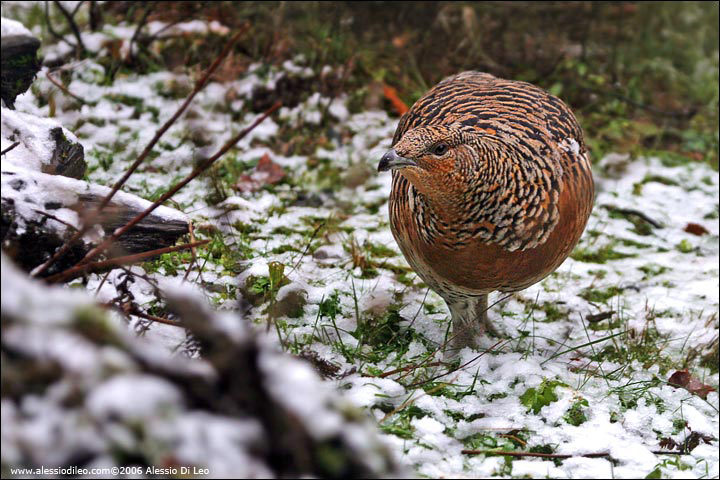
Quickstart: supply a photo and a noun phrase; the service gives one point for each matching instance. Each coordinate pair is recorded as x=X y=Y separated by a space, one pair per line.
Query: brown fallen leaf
x=266 y=172
x=696 y=229
x=683 y=379
x=392 y=95
x=687 y=446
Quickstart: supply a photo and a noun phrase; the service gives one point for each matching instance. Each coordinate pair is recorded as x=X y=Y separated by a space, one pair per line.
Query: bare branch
x=141 y=24
x=92 y=218
x=73 y=26
x=198 y=170
x=80 y=270
x=64 y=89
x=9 y=148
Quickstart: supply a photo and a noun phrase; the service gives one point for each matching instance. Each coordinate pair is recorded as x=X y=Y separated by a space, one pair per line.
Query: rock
x=19 y=63
x=43 y=145
x=290 y=302
x=68 y=157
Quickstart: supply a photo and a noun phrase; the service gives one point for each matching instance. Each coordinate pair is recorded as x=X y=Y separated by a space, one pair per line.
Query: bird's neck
x=441 y=192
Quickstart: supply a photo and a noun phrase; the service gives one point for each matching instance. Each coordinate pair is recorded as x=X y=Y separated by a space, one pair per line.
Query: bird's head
x=442 y=162
x=427 y=149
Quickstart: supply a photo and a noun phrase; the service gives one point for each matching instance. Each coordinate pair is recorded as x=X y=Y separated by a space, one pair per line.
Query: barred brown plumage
x=491 y=190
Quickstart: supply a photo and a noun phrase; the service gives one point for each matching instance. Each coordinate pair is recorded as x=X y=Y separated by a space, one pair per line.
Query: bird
x=491 y=191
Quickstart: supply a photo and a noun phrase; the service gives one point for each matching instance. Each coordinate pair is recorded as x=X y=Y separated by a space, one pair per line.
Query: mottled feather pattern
x=492 y=190
x=521 y=127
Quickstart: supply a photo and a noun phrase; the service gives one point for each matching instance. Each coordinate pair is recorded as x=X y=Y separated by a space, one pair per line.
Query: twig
x=599 y=317
x=183 y=18
x=307 y=247
x=52 y=30
x=92 y=218
x=65 y=89
x=138 y=313
x=198 y=170
x=77 y=7
x=193 y=261
x=105 y=277
x=412 y=399
x=409 y=367
x=53 y=217
x=418 y=384
x=9 y=148
x=141 y=24
x=637 y=213
x=79 y=270
x=682 y=114
x=73 y=26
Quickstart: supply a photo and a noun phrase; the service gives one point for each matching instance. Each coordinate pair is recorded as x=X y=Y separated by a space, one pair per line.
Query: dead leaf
x=266 y=172
x=392 y=95
x=400 y=41
x=683 y=379
x=696 y=229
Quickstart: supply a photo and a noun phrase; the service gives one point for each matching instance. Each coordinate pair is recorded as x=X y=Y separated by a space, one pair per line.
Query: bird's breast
x=456 y=258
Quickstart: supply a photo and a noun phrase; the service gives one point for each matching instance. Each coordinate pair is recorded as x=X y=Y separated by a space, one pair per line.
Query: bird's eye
x=440 y=149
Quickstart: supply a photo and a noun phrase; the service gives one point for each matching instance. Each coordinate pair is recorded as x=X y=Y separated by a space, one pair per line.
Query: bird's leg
x=481 y=313
x=469 y=320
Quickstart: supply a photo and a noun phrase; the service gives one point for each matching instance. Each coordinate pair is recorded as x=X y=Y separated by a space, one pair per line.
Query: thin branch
x=73 y=26
x=9 y=148
x=193 y=261
x=198 y=170
x=138 y=313
x=65 y=89
x=141 y=24
x=409 y=367
x=77 y=7
x=411 y=399
x=307 y=247
x=102 y=282
x=51 y=29
x=168 y=26
x=80 y=270
x=93 y=217
x=637 y=213
x=53 y=217
x=477 y=357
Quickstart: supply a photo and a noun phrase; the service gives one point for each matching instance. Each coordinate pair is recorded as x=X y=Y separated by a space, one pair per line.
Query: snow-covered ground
x=556 y=382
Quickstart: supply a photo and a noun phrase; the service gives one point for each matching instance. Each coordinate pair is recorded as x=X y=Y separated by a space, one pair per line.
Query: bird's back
x=516 y=111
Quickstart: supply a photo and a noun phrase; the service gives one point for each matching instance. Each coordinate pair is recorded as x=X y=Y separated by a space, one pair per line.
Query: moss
x=652 y=270
x=659 y=179
x=93 y=324
x=600 y=295
x=576 y=413
x=599 y=273
x=553 y=312
x=379 y=250
x=602 y=255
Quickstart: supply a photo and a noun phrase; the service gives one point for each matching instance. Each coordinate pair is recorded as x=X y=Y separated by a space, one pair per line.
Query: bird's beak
x=391 y=161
